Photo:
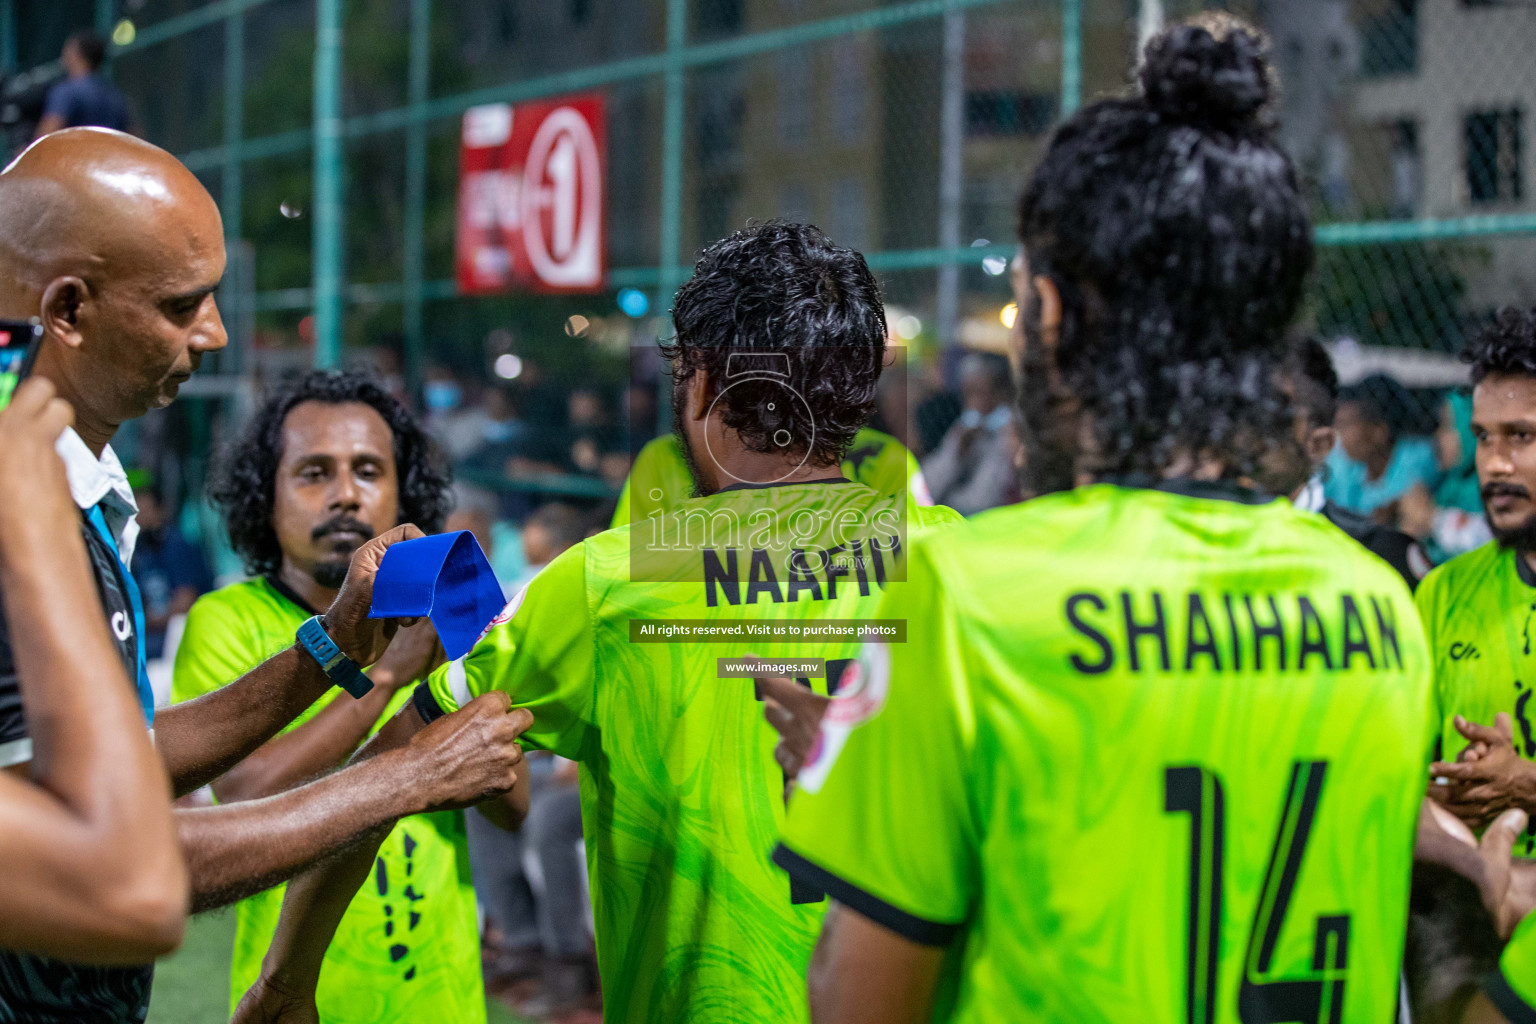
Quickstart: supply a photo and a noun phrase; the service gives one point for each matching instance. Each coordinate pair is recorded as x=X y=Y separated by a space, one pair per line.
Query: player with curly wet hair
x=772 y=305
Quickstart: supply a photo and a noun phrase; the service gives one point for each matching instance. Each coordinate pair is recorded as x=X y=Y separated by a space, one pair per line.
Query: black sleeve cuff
x=1509 y=1003
x=426 y=705
x=908 y=926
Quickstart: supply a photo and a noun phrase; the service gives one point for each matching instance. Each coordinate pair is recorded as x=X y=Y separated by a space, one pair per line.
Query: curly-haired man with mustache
x=1479 y=609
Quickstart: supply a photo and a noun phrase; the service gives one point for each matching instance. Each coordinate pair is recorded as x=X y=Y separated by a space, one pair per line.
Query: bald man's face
x=154 y=316
x=119 y=249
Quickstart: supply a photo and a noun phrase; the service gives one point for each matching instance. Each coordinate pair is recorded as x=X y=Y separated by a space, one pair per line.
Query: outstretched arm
x=239 y=849
x=315 y=901
x=92 y=869
x=864 y=973
x=327 y=739
x=203 y=738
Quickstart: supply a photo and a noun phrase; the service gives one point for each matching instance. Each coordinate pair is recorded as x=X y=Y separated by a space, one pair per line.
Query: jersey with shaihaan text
x=681 y=797
x=1148 y=755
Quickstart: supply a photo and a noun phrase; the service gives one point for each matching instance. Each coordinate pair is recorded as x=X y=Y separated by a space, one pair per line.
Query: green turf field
x=192 y=987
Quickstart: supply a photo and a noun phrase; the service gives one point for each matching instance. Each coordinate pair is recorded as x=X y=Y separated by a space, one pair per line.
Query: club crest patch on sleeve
x=918 y=487
x=860 y=696
x=505 y=615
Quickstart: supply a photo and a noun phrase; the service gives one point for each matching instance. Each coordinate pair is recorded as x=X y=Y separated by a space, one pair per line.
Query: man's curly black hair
x=1174 y=230
x=1508 y=345
x=244 y=481
x=785 y=288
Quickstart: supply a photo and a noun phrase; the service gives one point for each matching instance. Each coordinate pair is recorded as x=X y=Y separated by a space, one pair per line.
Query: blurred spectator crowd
x=1388 y=466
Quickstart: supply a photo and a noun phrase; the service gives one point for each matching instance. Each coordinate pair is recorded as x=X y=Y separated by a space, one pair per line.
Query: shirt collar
x=1311 y=498
x=103 y=482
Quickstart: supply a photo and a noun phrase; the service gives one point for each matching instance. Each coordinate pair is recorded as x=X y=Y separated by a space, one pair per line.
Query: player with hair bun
x=1154 y=748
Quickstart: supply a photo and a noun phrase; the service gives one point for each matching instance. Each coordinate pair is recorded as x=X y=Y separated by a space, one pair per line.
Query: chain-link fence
x=330 y=133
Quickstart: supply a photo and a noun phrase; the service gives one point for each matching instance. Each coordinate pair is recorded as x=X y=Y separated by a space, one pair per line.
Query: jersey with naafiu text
x=681 y=796
x=660 y=474
x=1479 y=613
x=408 y=947
x=1169 y=770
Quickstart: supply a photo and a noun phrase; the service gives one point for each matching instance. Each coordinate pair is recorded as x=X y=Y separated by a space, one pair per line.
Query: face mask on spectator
x=497 y=431
x=442 y=395
x=993 y=421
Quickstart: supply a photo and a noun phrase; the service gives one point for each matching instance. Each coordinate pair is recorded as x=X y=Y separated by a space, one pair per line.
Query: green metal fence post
x=672 y=143
x=234 y=121
x=234 y=300
x=951 y=171
x=1071 y=56
x=328 y=170
x=106 y=14
x=7 y=36
x=416 y=187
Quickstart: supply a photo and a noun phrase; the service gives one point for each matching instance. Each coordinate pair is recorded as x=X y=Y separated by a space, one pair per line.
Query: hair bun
x=1219 y=81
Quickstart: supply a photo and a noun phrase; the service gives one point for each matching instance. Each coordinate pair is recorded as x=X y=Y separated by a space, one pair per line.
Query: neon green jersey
x=1479 y=610
x=660 y=474
x=1512 y=988
x=408 y=949
x=1169 y=767
x=681 y=797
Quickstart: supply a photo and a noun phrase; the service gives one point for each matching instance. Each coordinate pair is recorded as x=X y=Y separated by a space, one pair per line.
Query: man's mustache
x=342 y=524
x=1504 y=490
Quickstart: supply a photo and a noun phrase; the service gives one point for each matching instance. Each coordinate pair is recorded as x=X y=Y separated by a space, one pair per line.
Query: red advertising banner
x=531 y=211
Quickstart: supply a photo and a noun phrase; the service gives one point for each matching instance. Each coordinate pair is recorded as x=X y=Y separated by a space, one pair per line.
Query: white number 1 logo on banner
x=562 y=202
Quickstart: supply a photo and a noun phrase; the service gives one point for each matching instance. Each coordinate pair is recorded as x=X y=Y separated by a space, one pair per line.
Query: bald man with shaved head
x=117 y=249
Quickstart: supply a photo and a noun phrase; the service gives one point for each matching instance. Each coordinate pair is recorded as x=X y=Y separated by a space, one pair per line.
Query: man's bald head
x=92 y=200
x=118 y=248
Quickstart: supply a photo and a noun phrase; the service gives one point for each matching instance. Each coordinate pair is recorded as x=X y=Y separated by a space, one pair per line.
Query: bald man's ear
x=1050 y=310
x=63 y=302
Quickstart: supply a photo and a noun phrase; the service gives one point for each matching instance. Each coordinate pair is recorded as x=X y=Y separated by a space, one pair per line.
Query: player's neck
x=748 y=467
x=315 y=595
x=1529 y=558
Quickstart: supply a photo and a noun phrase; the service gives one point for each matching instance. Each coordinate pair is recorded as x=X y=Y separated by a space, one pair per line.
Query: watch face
x=339 y=668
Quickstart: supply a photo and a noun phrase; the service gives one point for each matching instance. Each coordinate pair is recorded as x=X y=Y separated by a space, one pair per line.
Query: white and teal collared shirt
x=103 y=482
x=92 y=481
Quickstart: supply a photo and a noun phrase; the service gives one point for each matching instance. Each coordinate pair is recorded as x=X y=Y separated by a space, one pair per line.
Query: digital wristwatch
x=340 y=669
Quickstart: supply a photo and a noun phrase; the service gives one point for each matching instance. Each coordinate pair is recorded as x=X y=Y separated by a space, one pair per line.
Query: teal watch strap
x=342 y=670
